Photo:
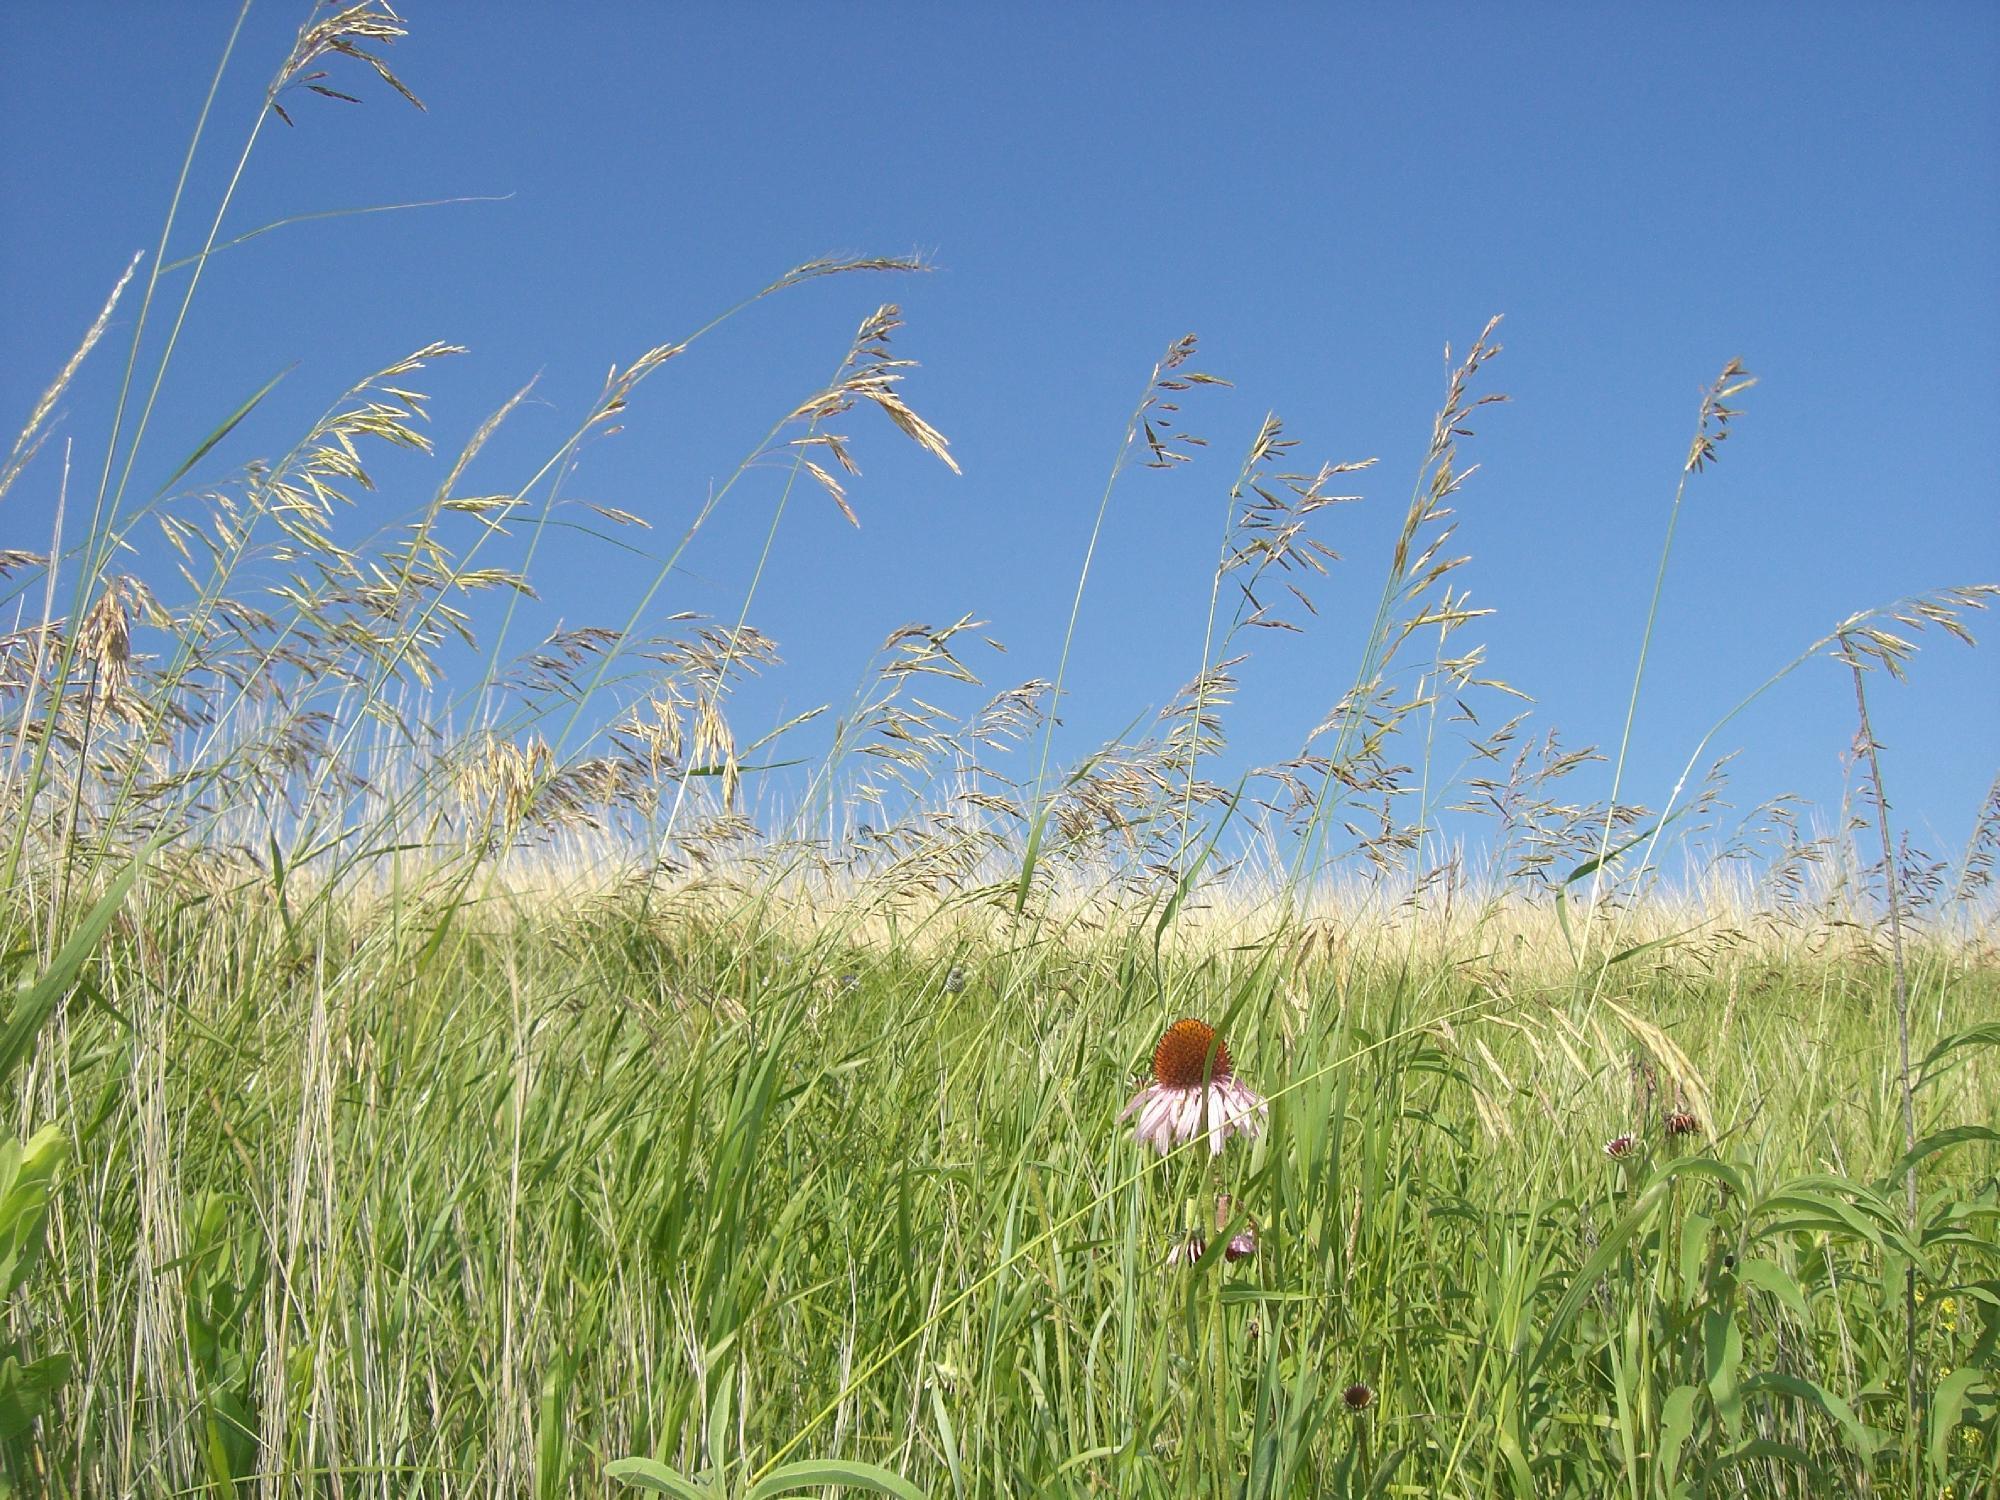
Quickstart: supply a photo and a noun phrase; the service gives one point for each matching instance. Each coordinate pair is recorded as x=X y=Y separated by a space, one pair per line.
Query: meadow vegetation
x=432 y=1069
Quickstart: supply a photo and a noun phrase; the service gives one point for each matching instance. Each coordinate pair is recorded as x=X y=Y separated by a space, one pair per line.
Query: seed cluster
x=1181 y=1061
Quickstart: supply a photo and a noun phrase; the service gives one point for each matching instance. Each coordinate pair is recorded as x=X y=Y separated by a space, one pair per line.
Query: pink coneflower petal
x=1620 y=1146
x=1241 y=1246
x=1187 y=1115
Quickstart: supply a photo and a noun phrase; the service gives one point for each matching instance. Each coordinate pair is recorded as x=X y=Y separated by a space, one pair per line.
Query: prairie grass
x=439 y=1066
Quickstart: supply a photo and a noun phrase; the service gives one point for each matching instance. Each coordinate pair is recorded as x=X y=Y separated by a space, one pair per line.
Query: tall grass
x=435 y=1068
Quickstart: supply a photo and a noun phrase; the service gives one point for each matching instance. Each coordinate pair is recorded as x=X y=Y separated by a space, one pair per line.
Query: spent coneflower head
x=1194 y=1088
x=1620 y=1146
x=1680 y=1122
x=1357 y=1396
x=1242 y=1244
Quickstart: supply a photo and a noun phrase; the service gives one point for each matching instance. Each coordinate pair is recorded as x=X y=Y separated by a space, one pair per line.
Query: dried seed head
x=106 y=639
x=1680 y=1122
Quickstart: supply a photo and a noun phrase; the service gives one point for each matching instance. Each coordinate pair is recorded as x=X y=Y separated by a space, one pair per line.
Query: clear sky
x=1326 y=195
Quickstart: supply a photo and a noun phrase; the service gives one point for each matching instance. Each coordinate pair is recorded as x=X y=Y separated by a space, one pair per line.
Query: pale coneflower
x=1193 y=1089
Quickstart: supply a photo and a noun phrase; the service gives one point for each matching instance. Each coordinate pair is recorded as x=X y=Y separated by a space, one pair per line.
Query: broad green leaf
x=26 y=1170
x=34 y=1003
x=948 y=1440
x=1986 y=1034
x=1769 y=1276
x=1611 y=856
x=1028 y=861
x=1946 y=1409
x=1608 y=1251
x=1722 y=1350
x=1702 y=1166
x=25 y=1390
x=1958 y=1135
x=655 y=1477
x=1624 y=954
x=1864 y=1440
x=1185 y=884
x=1758 y=1448
x=1676 y=1427
x=810 y=1473
x=1822 y=1210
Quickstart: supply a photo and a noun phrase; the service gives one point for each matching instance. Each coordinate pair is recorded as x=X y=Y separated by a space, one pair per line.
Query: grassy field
x=431 y=1071
x=409 y=1209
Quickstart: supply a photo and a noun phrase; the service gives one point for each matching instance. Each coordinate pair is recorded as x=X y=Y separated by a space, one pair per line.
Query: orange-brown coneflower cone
x=1181 y=1061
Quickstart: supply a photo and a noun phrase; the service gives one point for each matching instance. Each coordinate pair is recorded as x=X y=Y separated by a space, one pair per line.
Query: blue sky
x=1325 y=195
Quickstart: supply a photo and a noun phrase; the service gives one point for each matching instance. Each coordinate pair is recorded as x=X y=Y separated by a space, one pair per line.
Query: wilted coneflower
x=1243 y=1244
x=1186 y=1250
x=1680 y=1122
x=1620 y=1146
x=1357 y=1396
x=1193 y=1086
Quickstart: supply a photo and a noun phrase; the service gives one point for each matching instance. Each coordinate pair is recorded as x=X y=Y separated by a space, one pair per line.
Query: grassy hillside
x=469 y=1207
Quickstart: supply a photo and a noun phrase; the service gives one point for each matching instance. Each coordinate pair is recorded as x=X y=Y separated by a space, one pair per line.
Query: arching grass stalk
x=1856 y=658
x=1944 y=608
x=1267 y=434
x=619 y=388
x=864 y=382
x=868 y=357
x=339 y=424
x=870 y=376
x=329 y=213
x=1408 y=579
x=618 y=392
x=41 y=648
x=341 y=32
x=388 y=662
x=1711 y=427
x=1178 y=353
x=92 y=552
